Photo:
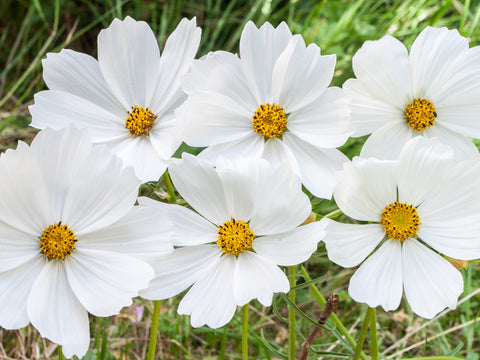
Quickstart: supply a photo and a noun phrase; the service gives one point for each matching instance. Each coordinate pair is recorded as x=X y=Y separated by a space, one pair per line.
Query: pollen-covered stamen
x=420 y=114
x=140 y=121
x=270 y=120
x=400 y=220
x=57 y=241
x=234 y=237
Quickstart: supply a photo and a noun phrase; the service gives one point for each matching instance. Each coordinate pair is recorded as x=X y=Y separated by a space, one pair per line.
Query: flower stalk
x=245 y=332
x=152 y=345
x=291 y=314
x=363 y=333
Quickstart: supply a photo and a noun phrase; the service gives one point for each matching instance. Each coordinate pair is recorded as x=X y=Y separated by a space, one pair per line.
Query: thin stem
x=245 y=332
x=373 y=335
x=154 y=330
x=322 y=301
x=291 y=314
x=60 y=353
x=334 y=213
x=172 y=199
x=363 y=334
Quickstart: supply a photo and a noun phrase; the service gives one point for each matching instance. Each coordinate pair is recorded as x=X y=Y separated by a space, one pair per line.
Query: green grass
x=30 y=29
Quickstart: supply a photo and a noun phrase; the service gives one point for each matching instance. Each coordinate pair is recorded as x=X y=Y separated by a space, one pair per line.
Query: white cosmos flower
x=245 y=226
x=272 y=102
x=72 y=242
x=127 y=98
x=419 y=206
x=433 y=92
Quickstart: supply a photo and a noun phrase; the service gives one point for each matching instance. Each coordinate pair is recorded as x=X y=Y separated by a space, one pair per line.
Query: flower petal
x=259 y=50
x=16 y=285
x=251 y=145
x=365 y=187
x=105 y=282
x=210 y=301
x=205 y=194
x=129 y=58
x=145 y=233
x=463 y=147
x=189 y=228
x=56 y=313
x=292 y=247
x=256 y=277
x=349 y=244
x=80 y=75
x=317 y=165
x=431 y=282
x=179 y=270
x=17 y=247
x=378 y=281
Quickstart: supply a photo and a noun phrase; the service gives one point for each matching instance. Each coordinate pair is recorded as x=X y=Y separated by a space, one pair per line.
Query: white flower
x=432 y=92
x=71 y=240
x=273 y=101
x=422 y=205
x=127 y=98
x=246 y=225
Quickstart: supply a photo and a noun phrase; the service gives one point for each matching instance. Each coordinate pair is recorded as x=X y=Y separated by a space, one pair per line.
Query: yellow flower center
x=140 y=121
x=57 y=241
x=420 y=114
x=270 y=120
x=400 y=220
x=234 y=237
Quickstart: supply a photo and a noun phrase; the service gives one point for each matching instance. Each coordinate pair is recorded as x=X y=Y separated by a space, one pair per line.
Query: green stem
x=291 y=314
x=373 y=335
x=245 y=332
x=60 y=353
x=363 y=333
x=322 y=301
x=172 y=199
x=154 y=330
x=334 y=213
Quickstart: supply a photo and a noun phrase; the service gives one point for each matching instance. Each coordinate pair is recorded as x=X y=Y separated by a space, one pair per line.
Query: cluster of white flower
x=73 y=241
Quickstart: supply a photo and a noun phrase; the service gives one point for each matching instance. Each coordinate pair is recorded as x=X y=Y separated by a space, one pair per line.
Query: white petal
x=277 y=153
x=431 y=57
x=349 y=244
x=205 y=194
x=422 y=160
x=280 y=205
x=179 y=270
x=17 y=247
x=129 y=58
x=365 y=187
x=178 y=54
x=208 y=118
x=256 y=277
x=317 y=165
x=139 y=153
x=92 y=204
x=292 y=247
x=431 y=282
x=145 y=233
x=56 y=313
x=387 y=142
x=58 y=109
x=24 y=202
x=189 y=228
x=301 y=74
x=259 y=50
x=16 y=285
x=378 y=281
x=79 y=74
x=251 y=145
x=324 y=123
x=463 y=147
x=163 y=138
x=105 y=282
x=210 y=301
x=220 y=72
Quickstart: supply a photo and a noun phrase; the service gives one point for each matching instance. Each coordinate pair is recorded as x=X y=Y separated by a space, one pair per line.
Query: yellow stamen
x=420 y=114
x=140 y=121
x=57 y=241
x=400 y=220
x=234 y=237
x=270 y=120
